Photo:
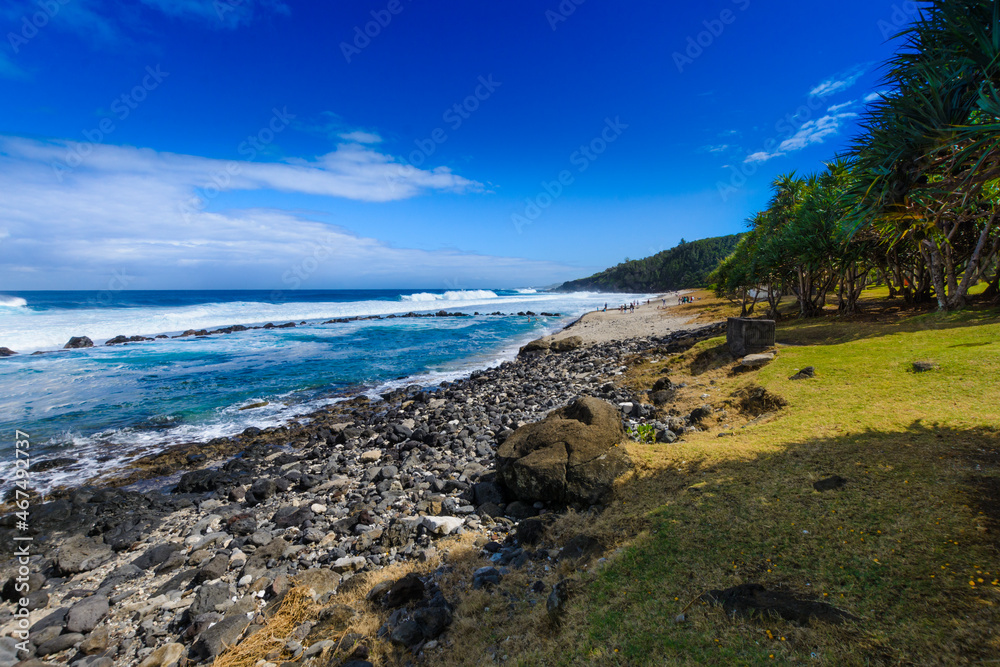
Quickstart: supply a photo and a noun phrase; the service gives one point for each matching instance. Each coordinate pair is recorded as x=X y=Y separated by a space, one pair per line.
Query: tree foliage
x=685 y=266
x=915 y=202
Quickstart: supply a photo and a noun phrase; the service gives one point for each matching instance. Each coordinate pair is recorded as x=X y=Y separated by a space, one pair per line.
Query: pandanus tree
x=927 y=162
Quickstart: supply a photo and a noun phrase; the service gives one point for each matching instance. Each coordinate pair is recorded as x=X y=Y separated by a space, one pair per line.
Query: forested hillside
x=684 y=266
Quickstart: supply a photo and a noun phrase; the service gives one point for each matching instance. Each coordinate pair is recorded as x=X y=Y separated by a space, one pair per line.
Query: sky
x=224 y=144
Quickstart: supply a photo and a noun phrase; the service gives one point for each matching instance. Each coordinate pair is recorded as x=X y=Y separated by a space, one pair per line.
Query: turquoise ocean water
x=105 y=405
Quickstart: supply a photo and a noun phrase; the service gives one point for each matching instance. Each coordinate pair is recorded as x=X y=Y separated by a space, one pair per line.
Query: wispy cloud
x=761 y=156
x=877 y=95
x=229 y=13
x=811 y=132
x=352 y=171
x=718 y=148
x=120 y=209
x=837 y=107
x=815 y=131
x=128 y=25
x=360 y=137
x=839 y=82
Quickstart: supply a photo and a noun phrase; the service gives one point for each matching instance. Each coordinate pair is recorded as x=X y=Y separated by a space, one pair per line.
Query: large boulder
x=539 y=346
x=76 y=342
x=567 y=344
x=571 y=456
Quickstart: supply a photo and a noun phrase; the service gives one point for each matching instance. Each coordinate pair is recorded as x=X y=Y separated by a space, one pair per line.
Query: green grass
x=902 y=547
x=897 y=547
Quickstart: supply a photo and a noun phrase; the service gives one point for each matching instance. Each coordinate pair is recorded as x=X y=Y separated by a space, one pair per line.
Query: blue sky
x=406 y=143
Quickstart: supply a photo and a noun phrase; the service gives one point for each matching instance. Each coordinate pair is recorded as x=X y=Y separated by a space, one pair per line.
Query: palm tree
x=930 y=152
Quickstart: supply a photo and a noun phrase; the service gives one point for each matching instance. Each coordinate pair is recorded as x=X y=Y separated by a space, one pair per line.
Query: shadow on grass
x=909 y=545
x=832 y=330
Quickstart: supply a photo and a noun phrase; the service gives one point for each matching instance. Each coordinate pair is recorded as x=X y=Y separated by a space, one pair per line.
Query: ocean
x=107 y=405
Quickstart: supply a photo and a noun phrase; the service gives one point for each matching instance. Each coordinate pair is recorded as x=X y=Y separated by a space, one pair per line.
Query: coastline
x=363 y=486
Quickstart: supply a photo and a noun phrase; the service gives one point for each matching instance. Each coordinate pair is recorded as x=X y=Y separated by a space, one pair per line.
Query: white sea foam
x=12 y=301
x=25 y=330
x=527 y=290
x=457 y=295
x=113 y=450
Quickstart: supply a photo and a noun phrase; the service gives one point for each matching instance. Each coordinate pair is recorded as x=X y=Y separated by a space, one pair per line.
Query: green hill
x=682 y=267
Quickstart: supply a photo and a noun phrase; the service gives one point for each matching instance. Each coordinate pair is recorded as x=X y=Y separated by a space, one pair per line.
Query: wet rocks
x=7 y=352
x=78 y=342
x=572 y=456
x=50 y=464
x=119 y=340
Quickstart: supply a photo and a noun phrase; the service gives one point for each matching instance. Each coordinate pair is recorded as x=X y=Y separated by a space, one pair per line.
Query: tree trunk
x=932 y=257
x=957 y=298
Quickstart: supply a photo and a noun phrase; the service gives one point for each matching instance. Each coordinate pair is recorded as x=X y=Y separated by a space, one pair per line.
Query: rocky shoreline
x=121 y=577
x=82 y=342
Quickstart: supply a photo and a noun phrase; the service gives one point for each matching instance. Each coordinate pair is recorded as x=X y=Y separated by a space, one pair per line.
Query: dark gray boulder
x=77 y=342
x=82 y=554
x=60 y=643
x=87 y=613
x=571 y=456
x=219 y=637
x=156 y=555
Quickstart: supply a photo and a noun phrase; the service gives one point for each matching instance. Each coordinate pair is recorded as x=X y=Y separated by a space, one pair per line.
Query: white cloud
x=815 y=131
x=122 y=209
x=761 y=156
x=716 y=149
x=837 y=107
x=352 y=171
x=838 y=83
x=877 y=95
x=812 y=132
x=361 y=137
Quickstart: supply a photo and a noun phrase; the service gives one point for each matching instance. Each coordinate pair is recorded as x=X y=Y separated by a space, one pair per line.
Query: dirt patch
x=754 y=401
x=711 y=359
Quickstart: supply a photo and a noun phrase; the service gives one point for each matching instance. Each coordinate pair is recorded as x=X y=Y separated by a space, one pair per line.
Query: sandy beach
x=652 y=319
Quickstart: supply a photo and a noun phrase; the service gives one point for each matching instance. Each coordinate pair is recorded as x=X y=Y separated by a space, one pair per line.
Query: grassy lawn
x=910 y=546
